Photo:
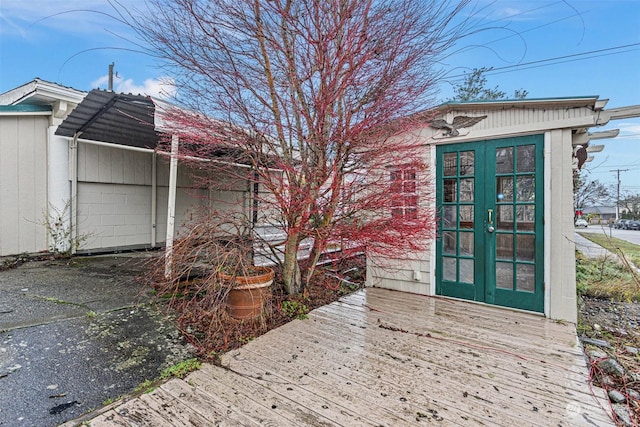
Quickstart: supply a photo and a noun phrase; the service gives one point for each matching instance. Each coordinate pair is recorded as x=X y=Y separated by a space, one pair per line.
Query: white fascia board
x=51 y=92
x=605 y=134
x=630 y=112
x=591 y=102
x=111 y=145
x=595 y=148
x=26 y=113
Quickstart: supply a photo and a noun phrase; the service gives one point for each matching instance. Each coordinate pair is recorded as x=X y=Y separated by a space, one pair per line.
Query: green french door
x=490 y=213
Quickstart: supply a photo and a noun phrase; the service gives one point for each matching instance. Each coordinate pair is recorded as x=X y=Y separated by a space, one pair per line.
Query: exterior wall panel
x=114 y=215
x=23 y=183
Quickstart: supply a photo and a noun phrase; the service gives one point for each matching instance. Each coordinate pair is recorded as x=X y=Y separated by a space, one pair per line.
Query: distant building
x=600 y=214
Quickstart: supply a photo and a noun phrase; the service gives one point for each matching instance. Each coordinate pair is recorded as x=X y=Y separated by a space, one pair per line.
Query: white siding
x=114 y=197
x=561 y=259
x=414 y=272
x=113 y=165
x=114 y=215
x=411 y=274
x=23 y=183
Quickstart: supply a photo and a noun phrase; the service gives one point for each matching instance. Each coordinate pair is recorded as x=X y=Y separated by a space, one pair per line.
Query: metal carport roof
x=114 y=118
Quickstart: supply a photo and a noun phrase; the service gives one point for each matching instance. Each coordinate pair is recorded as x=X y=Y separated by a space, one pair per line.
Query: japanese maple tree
x=320 y=99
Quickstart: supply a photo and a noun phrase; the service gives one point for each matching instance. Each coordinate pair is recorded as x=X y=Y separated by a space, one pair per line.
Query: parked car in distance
x=618 y=224
x=580 y=222
x=633 y=225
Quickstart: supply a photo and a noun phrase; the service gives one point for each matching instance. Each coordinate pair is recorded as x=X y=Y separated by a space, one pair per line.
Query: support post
x=171 y=205
x=154 y=198
x=73 y=151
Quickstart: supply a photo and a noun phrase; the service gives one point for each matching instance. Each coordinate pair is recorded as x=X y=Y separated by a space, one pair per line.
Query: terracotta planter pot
x=248 y=295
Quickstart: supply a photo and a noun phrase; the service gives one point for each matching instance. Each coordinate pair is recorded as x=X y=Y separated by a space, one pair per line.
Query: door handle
x=490 y=227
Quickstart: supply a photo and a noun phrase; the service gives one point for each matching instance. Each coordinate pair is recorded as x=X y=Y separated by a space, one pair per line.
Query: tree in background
x=630 y=202
x=589 y=192
x=317 y=99
x=474 y=88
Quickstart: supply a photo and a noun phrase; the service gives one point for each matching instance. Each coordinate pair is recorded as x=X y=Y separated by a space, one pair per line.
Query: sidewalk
x=590 y=249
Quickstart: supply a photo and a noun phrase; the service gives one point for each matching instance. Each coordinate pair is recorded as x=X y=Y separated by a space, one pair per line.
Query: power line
x=557 y=58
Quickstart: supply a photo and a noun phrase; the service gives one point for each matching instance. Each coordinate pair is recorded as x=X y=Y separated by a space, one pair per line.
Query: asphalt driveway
x=75 y=334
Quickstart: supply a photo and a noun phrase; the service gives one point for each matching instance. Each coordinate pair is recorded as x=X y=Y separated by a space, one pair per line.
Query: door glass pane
x=504 y=188
x=450 y=190
x=504 y=160
x=526 y=189
x=525 y=217
x=449 y=217
x=450 y=164
x=467 y=165
x=466 y=216
x=526 y=158
x=505 y=217
x=504 y=275
x=525 y=247
x=526 y=275
x=466 y=270
x=466 y=243
x=504 y=246
x=449 y=269
x=466 y=190
x=449 y=242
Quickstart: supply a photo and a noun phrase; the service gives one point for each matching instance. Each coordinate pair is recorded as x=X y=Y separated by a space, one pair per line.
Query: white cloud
x=163 y=87
x=25 y=18
x=100 y=82
x=628 y=129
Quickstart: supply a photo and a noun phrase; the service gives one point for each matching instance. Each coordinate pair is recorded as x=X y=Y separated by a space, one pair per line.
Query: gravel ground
x=609 y=333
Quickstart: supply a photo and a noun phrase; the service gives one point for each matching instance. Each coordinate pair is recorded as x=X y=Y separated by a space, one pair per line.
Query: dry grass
x=607 y=279
x=627 y=250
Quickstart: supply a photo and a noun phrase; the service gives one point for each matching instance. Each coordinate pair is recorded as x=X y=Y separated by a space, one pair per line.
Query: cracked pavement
x=76 y=334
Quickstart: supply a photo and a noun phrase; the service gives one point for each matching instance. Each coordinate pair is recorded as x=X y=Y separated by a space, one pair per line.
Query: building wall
x=416 y=272
x=23 y=183
x=115 y=197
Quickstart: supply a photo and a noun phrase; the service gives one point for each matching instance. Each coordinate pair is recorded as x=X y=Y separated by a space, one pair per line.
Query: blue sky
x=551 y=48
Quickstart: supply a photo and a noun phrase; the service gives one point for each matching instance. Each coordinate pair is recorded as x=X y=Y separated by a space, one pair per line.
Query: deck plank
x=137 y=413
x=386 y=358
x=381 y=363
x=109 y=419
x=173 y=410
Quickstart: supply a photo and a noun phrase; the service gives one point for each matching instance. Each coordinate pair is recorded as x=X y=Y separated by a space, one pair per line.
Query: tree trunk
x=291 y=268
x=314 y=257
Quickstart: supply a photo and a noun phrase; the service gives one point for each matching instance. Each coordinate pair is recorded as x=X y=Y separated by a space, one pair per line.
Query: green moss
x=181 y=369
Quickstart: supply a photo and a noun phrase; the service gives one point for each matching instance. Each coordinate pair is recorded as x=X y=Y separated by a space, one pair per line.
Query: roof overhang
x=592 y=102
x=41 y=92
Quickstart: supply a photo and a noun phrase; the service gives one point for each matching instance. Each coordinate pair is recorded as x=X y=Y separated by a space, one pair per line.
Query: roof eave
x=41 y=92
x=590 y=101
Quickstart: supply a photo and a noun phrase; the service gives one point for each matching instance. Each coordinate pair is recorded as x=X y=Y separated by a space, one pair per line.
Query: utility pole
x=111 y=76
x=618 y=191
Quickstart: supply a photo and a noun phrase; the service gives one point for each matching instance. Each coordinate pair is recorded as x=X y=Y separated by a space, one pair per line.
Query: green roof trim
x=25 y=108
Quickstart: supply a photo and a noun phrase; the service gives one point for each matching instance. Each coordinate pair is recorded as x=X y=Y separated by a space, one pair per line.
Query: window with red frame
x=404 y=189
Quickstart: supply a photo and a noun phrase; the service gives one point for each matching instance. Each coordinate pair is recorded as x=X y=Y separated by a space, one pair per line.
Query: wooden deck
x=386 y=358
